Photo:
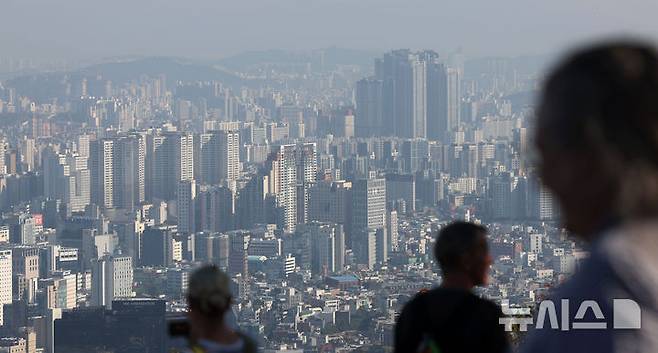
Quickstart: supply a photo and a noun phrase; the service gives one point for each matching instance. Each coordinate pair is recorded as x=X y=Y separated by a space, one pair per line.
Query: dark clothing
x=457 y=321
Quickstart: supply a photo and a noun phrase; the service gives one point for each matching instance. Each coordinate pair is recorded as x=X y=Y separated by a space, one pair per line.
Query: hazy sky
x=214 y=28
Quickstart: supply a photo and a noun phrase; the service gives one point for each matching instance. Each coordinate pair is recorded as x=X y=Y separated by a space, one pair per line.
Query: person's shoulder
x=463 y=298
x=440 y=292
x=488 y=305
x=416 y=302
x=425 y=299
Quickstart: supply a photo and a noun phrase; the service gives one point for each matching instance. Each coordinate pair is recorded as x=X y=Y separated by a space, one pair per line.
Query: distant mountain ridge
x=46 y=86
x=174 y=68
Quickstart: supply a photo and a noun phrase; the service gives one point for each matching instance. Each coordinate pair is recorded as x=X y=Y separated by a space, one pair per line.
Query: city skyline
x=300 y=174
x=140 y=141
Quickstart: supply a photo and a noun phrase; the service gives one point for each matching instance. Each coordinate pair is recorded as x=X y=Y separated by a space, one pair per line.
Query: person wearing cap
x=209 y=299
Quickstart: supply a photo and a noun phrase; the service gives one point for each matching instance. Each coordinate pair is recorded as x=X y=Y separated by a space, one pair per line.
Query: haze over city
x=321 y=176
x=76 y=29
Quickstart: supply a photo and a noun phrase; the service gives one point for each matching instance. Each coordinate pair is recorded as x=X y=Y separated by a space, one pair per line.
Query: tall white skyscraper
x=82 y=145
x=101 y=163
x=535 y=243
x=67 y=178
x=3 y=150
x=6 y=285
x=392 y=230
x=419 y=89
x=369 y=207
x=413 y=95
x=292 y=171
x=118 y=171
x=307 y=170
x=29 y=152
x=541 y=203
x=229 y=155
x=112 y=277
x=77 y=184
x=369 y=215
x=327 y=247
x=61 y=290
x=283 y=184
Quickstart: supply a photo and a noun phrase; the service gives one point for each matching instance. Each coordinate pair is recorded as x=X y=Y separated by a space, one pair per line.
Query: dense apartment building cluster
x=320 y=199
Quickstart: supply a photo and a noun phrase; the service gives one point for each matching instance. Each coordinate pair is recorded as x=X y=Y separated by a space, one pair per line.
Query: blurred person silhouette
x=451 y=318
x=597 y=138
x=209 y=299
